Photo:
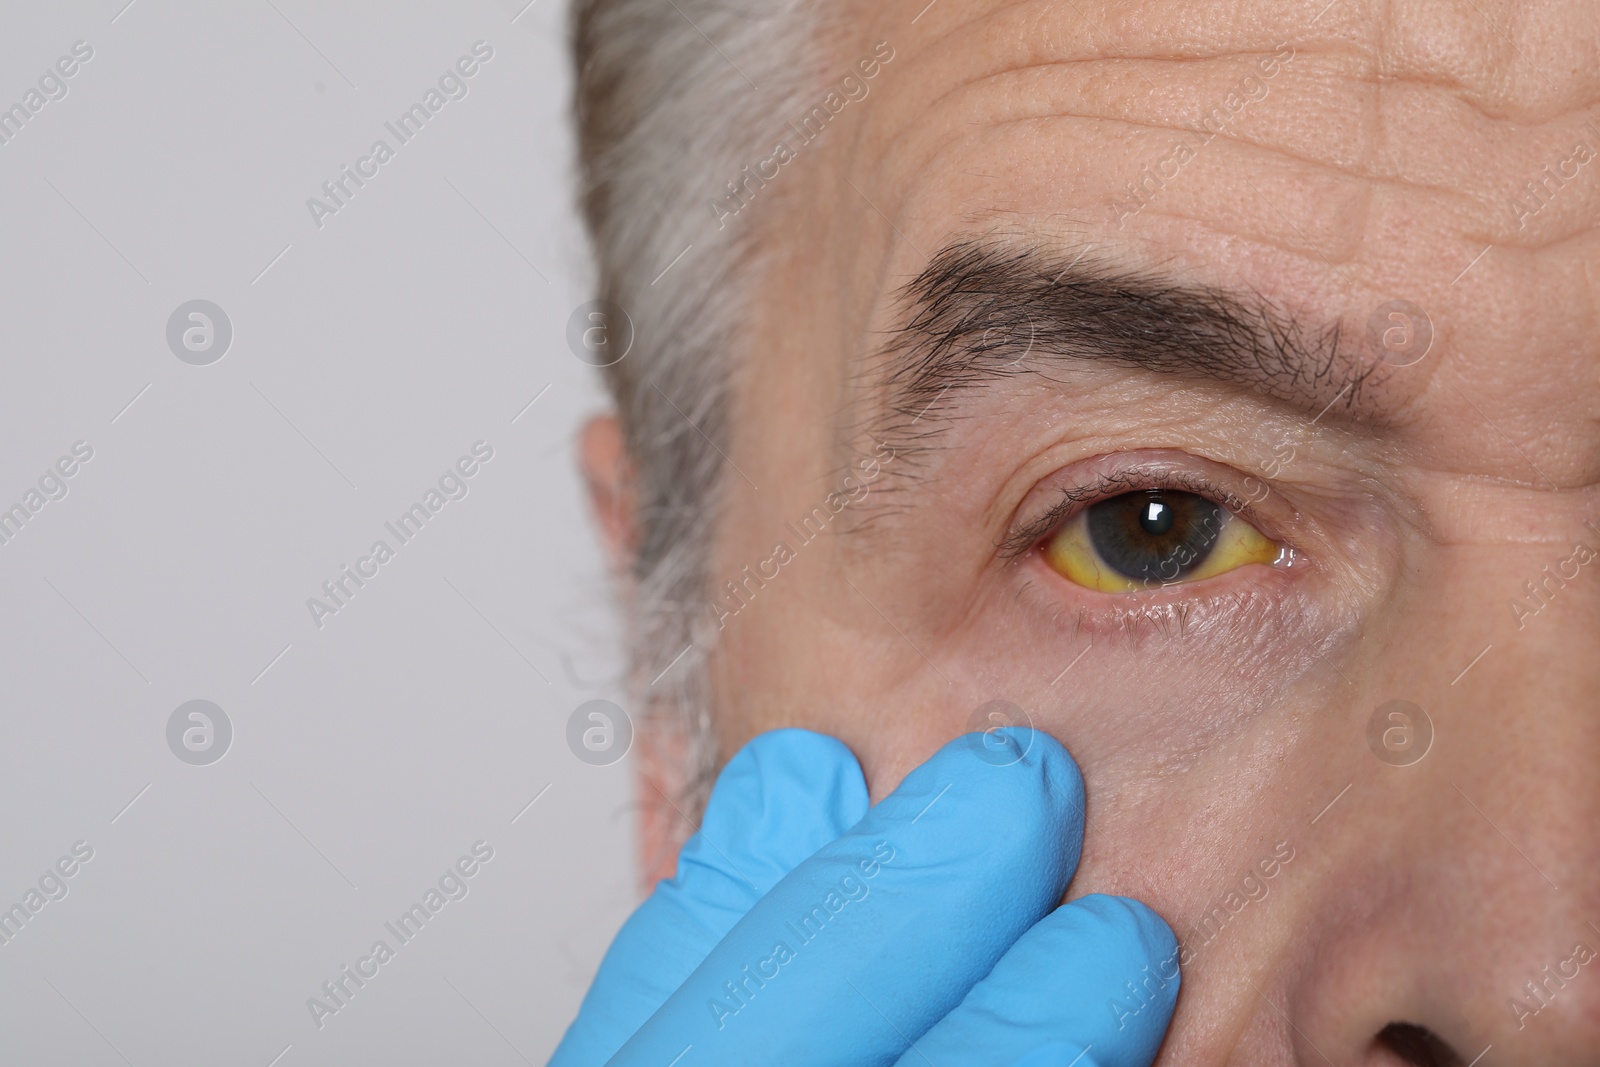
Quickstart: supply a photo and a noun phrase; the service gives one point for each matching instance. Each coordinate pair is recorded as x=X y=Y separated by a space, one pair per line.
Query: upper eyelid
x=1022 y=538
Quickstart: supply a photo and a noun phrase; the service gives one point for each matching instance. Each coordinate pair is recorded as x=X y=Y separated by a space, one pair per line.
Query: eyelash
x=1074 y=499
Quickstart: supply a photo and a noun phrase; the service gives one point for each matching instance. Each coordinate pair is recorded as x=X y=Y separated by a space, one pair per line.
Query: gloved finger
x=1092 y=984
x=882 y=932
x=785 y=795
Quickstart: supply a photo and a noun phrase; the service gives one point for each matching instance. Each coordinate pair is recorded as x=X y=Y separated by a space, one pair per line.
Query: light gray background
x=370 y=754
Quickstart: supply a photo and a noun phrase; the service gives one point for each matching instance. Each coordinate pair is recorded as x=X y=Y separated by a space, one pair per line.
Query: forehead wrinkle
x=1383 y=47
x=926 y=106
x=895 y=156
x=1265 y=150
x=985 y=312
x=1504 y=59
x=1457 y=174
x=988 y=43
x=1024 y=107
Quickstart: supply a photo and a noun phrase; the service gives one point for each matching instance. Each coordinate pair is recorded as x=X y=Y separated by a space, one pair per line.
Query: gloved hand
x=805 y=928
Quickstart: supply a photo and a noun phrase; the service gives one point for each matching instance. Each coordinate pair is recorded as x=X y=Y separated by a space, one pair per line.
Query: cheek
x=1144 y=692
x=811 y=650
x=791 y=654
x=1192 y=741
x=1138 y=700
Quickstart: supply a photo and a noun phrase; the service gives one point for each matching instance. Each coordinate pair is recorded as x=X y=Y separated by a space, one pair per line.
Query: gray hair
x=668 y=109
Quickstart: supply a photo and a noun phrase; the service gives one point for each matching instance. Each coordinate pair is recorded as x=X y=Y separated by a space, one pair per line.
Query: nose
x=1470 y=928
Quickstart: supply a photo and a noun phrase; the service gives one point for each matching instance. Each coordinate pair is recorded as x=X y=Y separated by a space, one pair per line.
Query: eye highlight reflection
x=1152 y=538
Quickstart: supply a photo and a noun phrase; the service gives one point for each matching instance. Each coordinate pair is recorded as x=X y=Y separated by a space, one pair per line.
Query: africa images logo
x=339 y=190
x=452 y=885
x=452 y=485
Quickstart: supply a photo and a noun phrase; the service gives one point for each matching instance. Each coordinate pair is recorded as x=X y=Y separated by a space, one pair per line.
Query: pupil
x=1155 y=536
x=1157 y=518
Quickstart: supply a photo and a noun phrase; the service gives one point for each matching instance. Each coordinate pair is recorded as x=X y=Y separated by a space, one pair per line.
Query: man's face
x=1284 y=261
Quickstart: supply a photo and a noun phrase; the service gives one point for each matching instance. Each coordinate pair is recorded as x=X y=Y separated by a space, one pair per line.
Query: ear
x=609 y=476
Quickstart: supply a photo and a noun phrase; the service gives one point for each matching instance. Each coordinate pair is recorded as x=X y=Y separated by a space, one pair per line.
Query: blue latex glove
x=804 y=928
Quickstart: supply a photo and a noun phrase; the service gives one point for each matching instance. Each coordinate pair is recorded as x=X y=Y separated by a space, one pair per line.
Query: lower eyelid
x=1244 y=607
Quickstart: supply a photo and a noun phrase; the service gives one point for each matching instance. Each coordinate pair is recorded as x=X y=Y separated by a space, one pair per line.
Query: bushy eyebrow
x=984 y=312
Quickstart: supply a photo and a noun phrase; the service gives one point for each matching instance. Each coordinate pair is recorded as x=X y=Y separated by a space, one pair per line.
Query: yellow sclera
x=1072 y=554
